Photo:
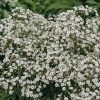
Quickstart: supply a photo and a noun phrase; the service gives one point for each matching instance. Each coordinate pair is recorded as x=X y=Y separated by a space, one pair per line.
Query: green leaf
x=29 y=4
x=57 y=6
x=3 y=95
x=76 y=2
x=92 y=2
x=48 y=2
x=67 y=94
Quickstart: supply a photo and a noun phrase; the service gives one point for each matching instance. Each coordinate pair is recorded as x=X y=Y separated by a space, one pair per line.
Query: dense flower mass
x=57 y=58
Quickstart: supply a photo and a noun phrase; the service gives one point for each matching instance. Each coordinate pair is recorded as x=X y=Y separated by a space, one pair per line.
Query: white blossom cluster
x=61 y=57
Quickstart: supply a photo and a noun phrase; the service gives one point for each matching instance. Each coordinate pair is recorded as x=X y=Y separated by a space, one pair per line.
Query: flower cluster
x=56 y=59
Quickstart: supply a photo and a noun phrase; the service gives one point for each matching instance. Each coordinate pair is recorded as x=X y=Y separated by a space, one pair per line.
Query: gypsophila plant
x=51 y=59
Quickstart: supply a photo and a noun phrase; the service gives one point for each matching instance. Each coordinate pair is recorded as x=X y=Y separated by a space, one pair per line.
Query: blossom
x=61 y=55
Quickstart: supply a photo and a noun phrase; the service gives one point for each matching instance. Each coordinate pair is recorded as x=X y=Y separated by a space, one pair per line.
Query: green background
x=45 y=7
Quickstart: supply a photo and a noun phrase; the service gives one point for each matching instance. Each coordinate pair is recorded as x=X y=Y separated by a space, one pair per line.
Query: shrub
x=51 y=58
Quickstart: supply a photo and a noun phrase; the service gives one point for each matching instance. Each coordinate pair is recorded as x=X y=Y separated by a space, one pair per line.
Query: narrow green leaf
x=91 y=2
x=57 y=6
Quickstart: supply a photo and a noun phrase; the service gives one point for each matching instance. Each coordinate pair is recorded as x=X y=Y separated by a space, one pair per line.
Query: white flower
x=65 y=98
x=63 y=88
x=1 y=27
x=10 y=92
x=0 y=67
x=38 y=53
x=56 y=85
x=58 y=99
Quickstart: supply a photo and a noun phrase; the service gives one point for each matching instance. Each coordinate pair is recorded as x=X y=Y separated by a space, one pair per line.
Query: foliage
x=45 y=7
